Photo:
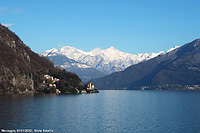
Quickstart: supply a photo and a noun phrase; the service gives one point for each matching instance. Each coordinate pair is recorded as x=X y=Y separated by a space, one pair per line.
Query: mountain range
x=177 y=69
x=96 y=63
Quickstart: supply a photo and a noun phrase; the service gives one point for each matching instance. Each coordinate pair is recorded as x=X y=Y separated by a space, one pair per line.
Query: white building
x=90 y=86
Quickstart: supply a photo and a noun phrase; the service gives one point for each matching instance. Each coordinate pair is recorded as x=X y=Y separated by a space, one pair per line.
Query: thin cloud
x=3 y=8
x=59 y=45
x=8 y=25
x=7 y=10
x=16 y=10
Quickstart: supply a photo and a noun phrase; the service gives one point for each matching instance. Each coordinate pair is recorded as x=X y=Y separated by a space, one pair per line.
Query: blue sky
x=133 y=26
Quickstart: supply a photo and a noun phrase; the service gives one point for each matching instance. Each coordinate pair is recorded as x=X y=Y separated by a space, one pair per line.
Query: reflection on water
x=108 y=111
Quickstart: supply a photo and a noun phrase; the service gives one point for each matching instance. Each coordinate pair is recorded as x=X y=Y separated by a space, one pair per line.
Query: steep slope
x=176 y=69
x=21 y=68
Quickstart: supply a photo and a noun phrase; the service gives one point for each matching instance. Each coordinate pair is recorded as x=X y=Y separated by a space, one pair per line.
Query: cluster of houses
x=50 y=78
x=48 y=84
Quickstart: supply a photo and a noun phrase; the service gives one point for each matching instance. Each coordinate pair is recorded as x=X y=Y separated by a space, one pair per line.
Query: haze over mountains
x=178 y=69
x=96 y=63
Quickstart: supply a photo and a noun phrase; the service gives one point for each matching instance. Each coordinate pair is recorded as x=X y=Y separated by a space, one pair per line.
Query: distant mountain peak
x=178 y=68
x=111 y=48
x=54 y=50
x=50 y=52
x=171 y=49
x=96 y=49
x=105 y=60
x=67 y=48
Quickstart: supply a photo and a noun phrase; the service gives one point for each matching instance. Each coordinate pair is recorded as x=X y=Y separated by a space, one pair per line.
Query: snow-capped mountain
x=106 y=61
x=84 y=71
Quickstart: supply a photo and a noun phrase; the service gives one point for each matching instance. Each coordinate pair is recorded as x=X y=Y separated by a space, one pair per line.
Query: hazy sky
x=133 y=26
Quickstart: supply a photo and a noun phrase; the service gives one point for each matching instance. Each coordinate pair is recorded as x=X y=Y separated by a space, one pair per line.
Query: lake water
x=108 y=111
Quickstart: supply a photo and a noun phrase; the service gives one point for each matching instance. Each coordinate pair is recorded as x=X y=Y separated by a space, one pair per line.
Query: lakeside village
x=48 y=86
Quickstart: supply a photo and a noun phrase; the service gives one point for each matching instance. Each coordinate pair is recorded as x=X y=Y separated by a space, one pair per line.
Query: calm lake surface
x=108 y=111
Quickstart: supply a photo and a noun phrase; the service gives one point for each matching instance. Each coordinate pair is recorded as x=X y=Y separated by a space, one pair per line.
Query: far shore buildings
x=49 y=83
x=50 y=78
x=58 y=91
x=89 y=86
x=83 y=91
